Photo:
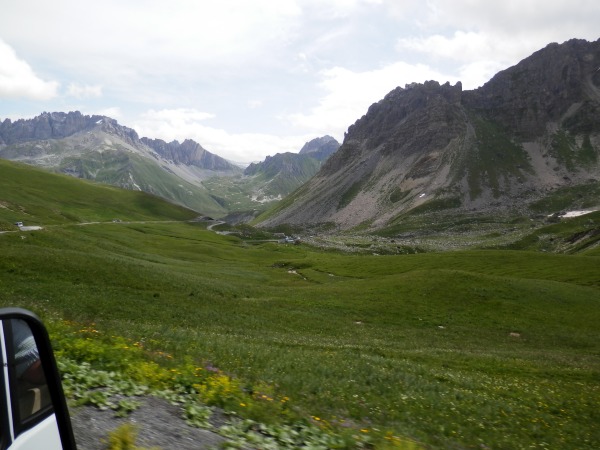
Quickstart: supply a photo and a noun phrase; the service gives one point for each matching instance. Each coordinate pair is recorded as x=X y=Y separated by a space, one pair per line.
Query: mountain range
x=98 y=148
x=526 y=142
x=284 y=172
x=264 y=184
x=529 y=134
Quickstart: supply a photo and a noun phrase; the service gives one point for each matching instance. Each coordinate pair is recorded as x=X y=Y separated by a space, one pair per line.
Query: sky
x=251 y=78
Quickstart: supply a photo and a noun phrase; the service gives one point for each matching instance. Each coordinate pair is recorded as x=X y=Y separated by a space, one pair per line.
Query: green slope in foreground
x=478 y=349
x=37 y=197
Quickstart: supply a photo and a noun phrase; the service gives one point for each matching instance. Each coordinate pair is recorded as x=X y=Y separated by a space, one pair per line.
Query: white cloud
x=477 y=73
x=254 y=104
x=18 y=80
x=124 y=42
x=536 y=19
x=490 y=36
x=478 y=56
x=349 y=94
x=179 y=117
x=81 y=91
x=461 y=46
x=114 y=112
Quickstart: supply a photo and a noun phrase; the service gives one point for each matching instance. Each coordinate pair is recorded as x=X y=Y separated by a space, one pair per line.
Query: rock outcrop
x=56 y=125
x=320 y=148
x=189 y=153
x=554 y=84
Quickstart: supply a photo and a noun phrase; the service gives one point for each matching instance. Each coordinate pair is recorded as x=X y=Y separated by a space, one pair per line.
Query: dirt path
x=212 y=225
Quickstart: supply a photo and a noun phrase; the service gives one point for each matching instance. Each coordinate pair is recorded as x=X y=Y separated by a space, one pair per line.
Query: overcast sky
x=250 y=78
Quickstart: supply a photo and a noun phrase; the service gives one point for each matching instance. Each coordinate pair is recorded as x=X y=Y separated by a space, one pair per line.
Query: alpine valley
x=428 y=157
x=100 y=149
x=163 y=321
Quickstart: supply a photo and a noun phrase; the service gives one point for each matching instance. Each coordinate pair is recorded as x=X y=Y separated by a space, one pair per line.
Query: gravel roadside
x=159 y=423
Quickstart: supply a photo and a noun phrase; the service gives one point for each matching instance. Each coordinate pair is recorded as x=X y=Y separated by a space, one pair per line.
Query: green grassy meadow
x=37 y=197
x=466 y=349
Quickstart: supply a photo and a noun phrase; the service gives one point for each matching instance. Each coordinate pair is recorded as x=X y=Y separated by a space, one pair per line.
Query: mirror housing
x=50 y=369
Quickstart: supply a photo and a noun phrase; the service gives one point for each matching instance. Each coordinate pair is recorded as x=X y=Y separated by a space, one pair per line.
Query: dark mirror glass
x=29 y=382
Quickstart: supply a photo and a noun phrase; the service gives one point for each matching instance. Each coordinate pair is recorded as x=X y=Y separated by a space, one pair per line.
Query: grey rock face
x=320 y=148
x=532 y=128
x=55 y=125
x=542 y=89
x=189 y=153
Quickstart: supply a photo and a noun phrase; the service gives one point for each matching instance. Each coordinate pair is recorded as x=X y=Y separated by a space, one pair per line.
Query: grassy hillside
x=473 y=349
x=125 y=169
x=454 y=349
x=109 y=159
x=579 y=235
x=284 y=172
x=37 y=197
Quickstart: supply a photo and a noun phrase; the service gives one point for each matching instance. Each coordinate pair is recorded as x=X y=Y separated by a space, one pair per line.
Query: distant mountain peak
x=189 y=153
x=317 y=143
x=98 y=147
x=48 y=125
x=320 y=148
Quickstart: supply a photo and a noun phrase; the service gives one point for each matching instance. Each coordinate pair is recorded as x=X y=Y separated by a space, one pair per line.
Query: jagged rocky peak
x=320 y=148
x=190 y=153
x=192 y=146
x=59 y=125
x=55 y=125
x=304 y=163
x=384 y=116
x=180 y=153
x=532 y=128
x=111 y=126
x=279 y=163
x=415 y=119
x=557 y=81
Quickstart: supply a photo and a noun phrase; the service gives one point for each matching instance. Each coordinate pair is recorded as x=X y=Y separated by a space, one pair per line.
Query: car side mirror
x=33 y=408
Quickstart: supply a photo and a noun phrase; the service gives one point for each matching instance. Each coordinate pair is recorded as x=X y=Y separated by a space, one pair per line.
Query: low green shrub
x=124 y=438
